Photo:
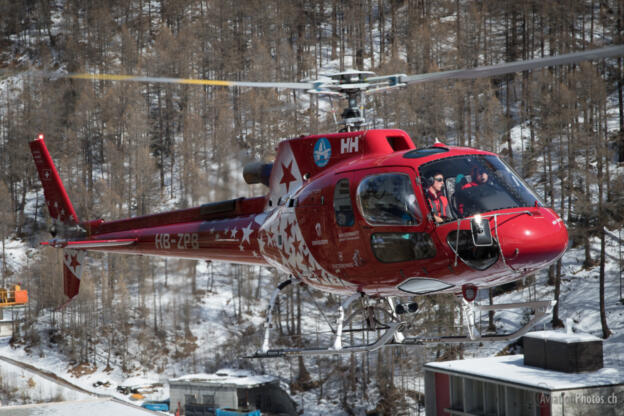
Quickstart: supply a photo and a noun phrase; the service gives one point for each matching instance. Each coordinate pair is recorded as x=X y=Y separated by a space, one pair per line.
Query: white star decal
x=261 y=243
x=246 y=233
x=233 y=232
x=241 y=248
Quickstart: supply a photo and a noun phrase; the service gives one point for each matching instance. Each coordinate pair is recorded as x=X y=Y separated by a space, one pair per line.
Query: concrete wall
x=272 y=399
x=471 y=395
x=430 y=391
x=223 y=396
x=598 y=401
x=6 y=328
x=268 y=397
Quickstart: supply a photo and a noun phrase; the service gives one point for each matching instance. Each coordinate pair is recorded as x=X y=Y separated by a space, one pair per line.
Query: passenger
x=437 y=200
x=479 y=177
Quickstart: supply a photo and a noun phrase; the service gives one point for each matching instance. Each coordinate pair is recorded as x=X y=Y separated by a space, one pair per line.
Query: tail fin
x=72 y=271
x=60 y=209
x=59 y=205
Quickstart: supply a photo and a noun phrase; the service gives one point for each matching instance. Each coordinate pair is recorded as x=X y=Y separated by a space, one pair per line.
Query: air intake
x=257 y=172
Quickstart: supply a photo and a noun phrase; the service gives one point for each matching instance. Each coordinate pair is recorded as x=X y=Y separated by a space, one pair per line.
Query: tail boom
x=233 y=240
x=222 y=231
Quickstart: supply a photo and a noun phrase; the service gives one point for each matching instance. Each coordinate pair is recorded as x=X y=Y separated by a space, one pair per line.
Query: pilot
x=437 y=200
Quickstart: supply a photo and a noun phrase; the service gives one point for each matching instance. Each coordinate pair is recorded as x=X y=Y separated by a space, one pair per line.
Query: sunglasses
x=439 y=179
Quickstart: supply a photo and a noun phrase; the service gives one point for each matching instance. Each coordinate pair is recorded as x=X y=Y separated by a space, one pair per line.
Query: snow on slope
x=19 y=385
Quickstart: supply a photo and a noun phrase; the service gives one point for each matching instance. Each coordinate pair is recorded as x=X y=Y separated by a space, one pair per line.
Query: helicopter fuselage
x=348 y=212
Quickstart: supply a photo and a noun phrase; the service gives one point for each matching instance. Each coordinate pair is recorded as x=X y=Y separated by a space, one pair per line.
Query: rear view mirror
x=481 y=234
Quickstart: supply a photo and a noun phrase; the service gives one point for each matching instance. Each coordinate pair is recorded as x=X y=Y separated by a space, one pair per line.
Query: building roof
x=91 y=407
x=560 y=336
x=510 y=369
x=226 y=377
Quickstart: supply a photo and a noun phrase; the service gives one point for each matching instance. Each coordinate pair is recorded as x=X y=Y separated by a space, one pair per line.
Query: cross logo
x=322 y=152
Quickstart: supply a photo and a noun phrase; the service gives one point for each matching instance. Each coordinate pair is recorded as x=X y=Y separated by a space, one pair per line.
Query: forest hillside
x=127 y=149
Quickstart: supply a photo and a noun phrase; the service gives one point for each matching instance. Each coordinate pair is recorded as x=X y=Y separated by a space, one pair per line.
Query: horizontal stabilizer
x=90 y=244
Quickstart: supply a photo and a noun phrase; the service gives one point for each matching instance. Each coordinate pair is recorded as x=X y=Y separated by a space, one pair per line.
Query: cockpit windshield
x=475 y=184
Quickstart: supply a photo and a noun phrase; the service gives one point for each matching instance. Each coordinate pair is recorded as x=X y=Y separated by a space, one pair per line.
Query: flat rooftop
x=226 y=377
x=559 y=336
x=511 y=369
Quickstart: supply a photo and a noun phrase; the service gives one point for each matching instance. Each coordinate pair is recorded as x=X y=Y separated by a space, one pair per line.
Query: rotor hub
x=353 y=86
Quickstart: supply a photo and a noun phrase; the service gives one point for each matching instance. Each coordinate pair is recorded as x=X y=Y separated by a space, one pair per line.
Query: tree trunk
x=556 y=321
x=334 y=25
x=193 y=267
x=621 y=108
x=382 y=31
x=606 y=332
x=491 y=326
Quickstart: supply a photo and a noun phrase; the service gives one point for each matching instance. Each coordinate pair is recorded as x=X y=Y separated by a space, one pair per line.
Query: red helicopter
x=351 y=213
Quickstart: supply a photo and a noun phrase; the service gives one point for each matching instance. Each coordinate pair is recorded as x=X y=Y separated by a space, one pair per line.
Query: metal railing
x=495 y=215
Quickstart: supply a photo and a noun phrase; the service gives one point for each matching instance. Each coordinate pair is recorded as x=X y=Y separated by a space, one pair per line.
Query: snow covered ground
x=18 y=386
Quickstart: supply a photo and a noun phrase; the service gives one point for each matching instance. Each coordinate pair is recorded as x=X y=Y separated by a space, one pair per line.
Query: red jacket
x=460 y=206
x=439 y=204
x=470 y=185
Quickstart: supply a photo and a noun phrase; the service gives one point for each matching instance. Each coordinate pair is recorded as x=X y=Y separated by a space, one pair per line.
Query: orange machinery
x=13 y=296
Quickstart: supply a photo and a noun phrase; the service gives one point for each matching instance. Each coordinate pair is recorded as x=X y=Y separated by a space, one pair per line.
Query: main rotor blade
x=518 y=66
x=189 y=81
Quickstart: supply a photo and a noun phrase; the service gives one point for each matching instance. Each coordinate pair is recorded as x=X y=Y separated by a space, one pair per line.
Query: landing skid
x=382 y=341
x=392 y=335
x=542 y=308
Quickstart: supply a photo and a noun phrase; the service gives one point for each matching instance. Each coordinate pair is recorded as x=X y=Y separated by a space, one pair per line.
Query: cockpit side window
x=388 y=199
x=342 y=204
